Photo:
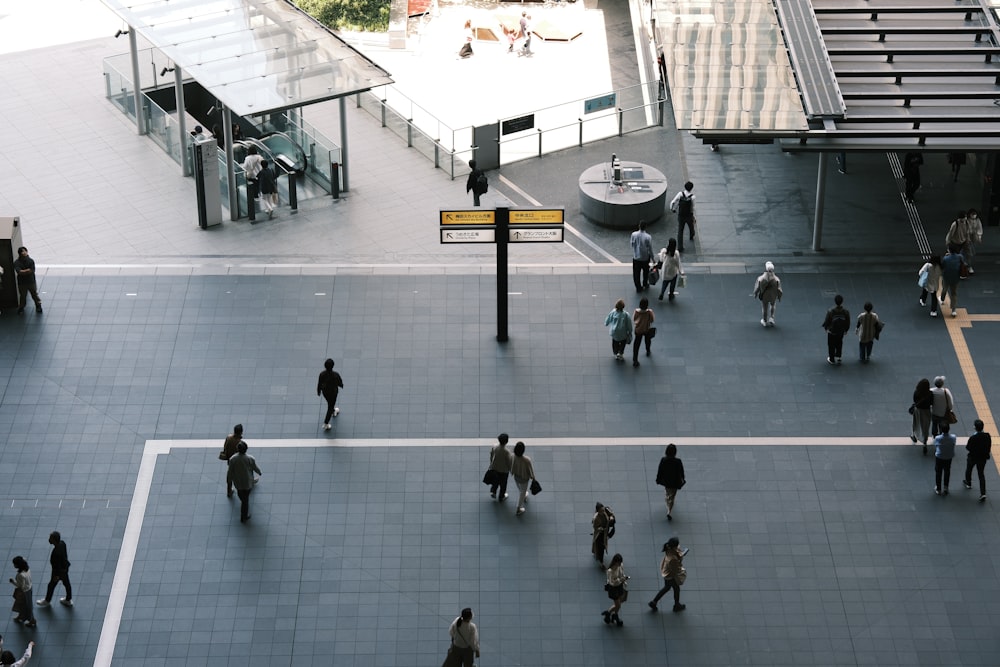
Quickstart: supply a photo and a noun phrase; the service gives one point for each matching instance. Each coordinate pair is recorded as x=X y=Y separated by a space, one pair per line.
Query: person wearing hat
x=768 y=290
x=672 y=570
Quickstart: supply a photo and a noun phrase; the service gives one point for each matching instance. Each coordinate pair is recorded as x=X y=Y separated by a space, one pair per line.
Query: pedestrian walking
x=836 y=324
x=22 y=593
x=24 y=270
x=464 y=635
x=957 y=238
x=477 y=183
x=7 y=659
x=469 y=35
x=952 y=267
x=683 y=205
x=241 y=475
x=524 y=474
x=603 y=523
x=620 y=327
x=944 y=452
x=642 y=319
x=268 y=184
x=670 y=268
x=868 y=328
x=673 y=573
x=767 y=288
x=956 y=160
x=59 y=562
x=642 y=254
x=923 y=399
x=911 y=174
x=617 y=588
x=978 y=448
x=670 y=475
x=228 y=451
x=929 y=281
x=500 y=462
x=252 y=164
x=942 y=405
x=526 y=33
x=974 y=224
x=328 y=386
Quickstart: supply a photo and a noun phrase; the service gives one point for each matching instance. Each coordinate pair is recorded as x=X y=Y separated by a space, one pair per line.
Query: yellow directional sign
x=472 y=217
x=536 y=216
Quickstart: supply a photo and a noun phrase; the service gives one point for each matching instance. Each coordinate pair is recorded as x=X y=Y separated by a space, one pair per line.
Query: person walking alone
x=7 y=659
x=617 y=588
x=620 y=327
x=673 y=573
x=477 y=183
x=464 y=641
x=500 y=462
x=524 y=474
x=22 y=593
x=836 y=324
x=944 y=452
x=929 y=280
x=241 y=475
x=671 y=268
x=767 y=289
x=642 y=253
x=642 y=319
x=868 y=329
x=328 y=386
x=268 y=184
x=978 y=448
x=951 y=274
x=670 y=475
x=59 y=561
x=24 y=270
x=683 y=205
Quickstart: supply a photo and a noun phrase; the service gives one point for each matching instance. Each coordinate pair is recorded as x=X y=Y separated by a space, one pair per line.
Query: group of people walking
x=23 y=606
x=504 y=463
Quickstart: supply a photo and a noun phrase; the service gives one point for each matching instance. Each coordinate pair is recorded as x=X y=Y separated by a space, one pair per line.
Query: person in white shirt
x=683 y=205
x=464 y=640
x=7 y=658
x=252 y=165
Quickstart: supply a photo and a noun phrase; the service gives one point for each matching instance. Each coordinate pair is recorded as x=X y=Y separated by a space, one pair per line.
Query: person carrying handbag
x=464 y=647
x=673 y=572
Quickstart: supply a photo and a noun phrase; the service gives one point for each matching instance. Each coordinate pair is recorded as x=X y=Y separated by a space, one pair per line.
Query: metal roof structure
x=255 y=56
x=870 y=74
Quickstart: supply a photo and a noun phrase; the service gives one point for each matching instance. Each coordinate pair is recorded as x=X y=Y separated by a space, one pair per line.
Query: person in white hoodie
x=768 y=290
x=670 y=268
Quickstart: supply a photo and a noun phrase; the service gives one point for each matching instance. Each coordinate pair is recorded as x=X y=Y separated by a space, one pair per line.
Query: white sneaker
x=42 y=603
x=770 y=322
x=954 y=313
x=336 y=411
x=66 y=603
x=921 y=302
x=763 y=323
x=326 y=427
x=933 y=313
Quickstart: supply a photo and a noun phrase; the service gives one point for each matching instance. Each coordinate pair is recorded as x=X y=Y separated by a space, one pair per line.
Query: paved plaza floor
x=815 y=536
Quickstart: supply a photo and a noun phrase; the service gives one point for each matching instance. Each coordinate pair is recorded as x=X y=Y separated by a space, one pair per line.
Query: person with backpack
x=477 y=183
x=670 y=475
x=683 y=205
x=604 y=529
x=836 y=324
x=768 y=290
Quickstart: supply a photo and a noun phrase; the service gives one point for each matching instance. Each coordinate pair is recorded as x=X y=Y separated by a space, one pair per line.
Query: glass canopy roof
x=255 y=56
x=727 y=66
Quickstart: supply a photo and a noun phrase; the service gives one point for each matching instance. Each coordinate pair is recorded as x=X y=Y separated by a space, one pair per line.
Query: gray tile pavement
x=805 y=555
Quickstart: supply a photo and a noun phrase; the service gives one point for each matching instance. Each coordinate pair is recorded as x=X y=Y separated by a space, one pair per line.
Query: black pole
x=335 y=180
x=502 y=221
x=293 y=196
x=251 y=197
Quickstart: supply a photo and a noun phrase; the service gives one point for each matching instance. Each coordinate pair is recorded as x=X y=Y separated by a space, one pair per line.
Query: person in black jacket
x=59 y=560
x=329 y=385
x=476 y=183
x=670 y=475
x=978 y=447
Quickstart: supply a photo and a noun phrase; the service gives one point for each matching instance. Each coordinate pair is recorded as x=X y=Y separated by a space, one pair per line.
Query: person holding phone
x=673 y=572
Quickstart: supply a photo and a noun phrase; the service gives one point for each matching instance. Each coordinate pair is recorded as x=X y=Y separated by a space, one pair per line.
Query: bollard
x=335 y=180
x=293 y=196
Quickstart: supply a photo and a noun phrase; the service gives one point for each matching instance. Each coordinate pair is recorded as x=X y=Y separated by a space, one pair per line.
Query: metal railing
x=555 y=128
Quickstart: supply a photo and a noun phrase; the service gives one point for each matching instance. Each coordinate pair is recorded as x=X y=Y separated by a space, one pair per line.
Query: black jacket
x=59 y=558
x=978 y=446
x=472 y=184
x=670 y=473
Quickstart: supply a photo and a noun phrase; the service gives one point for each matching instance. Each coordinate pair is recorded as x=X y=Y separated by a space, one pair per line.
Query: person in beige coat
x=642 y=319
x=868 y=329
x=523 y=473
x=500 y=461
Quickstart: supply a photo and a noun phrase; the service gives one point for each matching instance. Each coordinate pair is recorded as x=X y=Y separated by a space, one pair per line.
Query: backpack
x=839 y=323
x=611 y=521
x=482 y=185
x=685 y=206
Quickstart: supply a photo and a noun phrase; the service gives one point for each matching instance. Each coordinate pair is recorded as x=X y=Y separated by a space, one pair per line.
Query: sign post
x=502 y=226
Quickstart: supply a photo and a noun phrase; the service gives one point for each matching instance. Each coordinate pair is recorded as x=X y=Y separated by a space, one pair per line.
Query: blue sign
x=599 y=103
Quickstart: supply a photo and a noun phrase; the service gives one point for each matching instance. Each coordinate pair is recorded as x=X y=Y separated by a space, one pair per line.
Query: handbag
x=222 y=456
x=654 y=275
x=922 y=280
x=536 y=488
x=681 y=576
x=490 y=478
x=651 y=332
x=952 y=419
x=682 y=281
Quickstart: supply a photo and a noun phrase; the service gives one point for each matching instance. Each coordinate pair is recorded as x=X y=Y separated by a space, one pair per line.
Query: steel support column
x=820 y=197
x=140 y=122
x=181 y=119
x=344 y=162
x=234 y=195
